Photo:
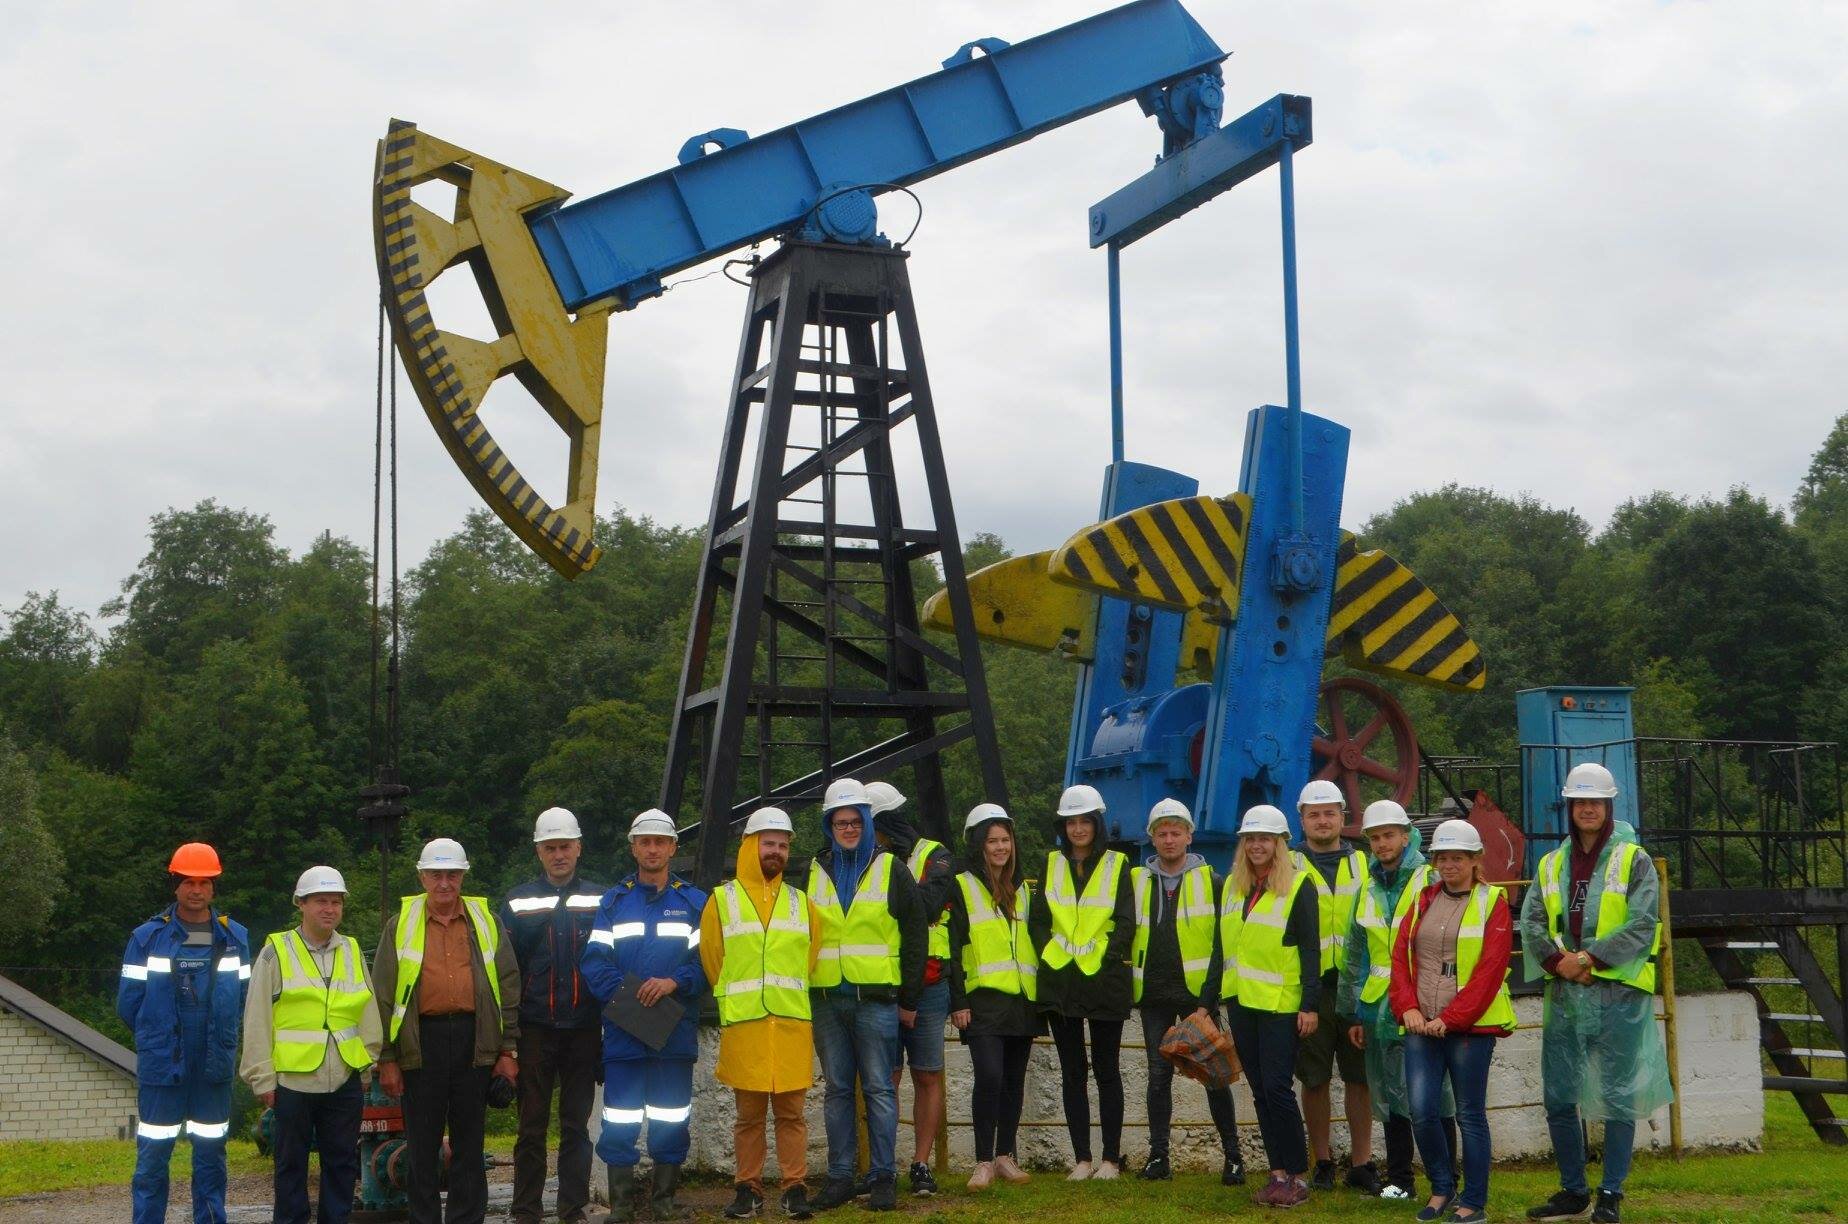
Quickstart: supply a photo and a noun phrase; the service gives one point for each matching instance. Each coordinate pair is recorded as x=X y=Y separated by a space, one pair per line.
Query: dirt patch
x=113 y=1204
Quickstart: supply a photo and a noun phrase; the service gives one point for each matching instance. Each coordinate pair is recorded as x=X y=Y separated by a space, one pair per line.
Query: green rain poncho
x=1600 y=1048
x=1385 y=1048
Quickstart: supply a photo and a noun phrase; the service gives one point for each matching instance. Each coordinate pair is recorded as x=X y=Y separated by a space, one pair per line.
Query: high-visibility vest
x=999 y=954
x=411 y=950
x=1195 y=917
x=309 y=1007
x=1260 y=972
x=766 y=969
x=860 y=944
x=1081 y=923
x=1469 y=950
x=1618 y=869
x=939 y=948
x=1379 y=931
x=1335 y=905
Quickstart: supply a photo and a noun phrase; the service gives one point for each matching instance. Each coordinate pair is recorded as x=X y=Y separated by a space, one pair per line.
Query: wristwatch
x=1584 y=959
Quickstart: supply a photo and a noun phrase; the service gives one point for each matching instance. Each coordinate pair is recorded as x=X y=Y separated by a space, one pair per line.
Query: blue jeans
x=1569 y=1150
x=857 y=1040
x=921 y=1045
x=1465 y=1059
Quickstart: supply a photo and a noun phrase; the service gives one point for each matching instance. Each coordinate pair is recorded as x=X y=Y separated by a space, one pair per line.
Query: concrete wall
x=1722 y=1101
x=51 y=1090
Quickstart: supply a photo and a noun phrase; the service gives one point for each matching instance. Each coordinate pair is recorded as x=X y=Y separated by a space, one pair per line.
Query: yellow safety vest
x=310 y=1008
x=411 y=950
x=999 y=954
x=1081 y=924
x=1379 y=932
x=1195 y=917
x=1469 y=950
x=860 y=944
x=1613 y=888
x=766 y=969
x=1260 y=972
x=1336 y=905
x=939 y=948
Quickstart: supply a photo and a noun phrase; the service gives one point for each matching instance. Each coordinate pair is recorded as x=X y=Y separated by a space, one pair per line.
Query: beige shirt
x=257 y=1069
x=1436 y=950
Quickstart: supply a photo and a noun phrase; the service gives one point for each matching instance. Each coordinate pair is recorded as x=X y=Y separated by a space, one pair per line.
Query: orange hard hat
x=195 y=860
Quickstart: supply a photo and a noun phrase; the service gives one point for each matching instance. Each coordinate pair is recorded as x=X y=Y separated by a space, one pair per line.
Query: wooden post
x=1667 y=974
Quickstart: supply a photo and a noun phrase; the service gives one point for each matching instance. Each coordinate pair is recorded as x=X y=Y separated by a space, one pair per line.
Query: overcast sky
x=1580 y=250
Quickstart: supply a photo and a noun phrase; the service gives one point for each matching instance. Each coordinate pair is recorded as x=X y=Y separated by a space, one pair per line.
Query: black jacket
x=1164 y=980
x=913 y=932
x=992 y=1013
x=549 y=927
x=1107 y=994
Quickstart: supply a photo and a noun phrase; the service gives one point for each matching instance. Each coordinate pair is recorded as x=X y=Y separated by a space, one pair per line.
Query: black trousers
x=1074 y=1077
x=571 y=1060
x=999 y=1071
x=330 y=1120
x=1155 y=1022
x=448 y=1093
x=1266 y=1043
x=1399 y=1151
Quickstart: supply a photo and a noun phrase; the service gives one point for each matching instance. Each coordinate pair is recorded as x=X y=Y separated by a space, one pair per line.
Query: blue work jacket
x=548 y=925
x=644 y=932
x=147 y=999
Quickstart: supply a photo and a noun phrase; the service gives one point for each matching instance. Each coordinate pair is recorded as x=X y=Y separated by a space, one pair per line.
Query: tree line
x=225 y=694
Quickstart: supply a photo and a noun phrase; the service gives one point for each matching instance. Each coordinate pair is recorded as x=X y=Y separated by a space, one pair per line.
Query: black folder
x=651 y=1026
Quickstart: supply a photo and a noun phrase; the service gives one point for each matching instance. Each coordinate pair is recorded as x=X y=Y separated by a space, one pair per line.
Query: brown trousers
x=791 y=1136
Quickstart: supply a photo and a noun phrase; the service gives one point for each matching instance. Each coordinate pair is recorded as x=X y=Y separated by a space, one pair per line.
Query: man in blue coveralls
x=182 y=992
x=647 y=936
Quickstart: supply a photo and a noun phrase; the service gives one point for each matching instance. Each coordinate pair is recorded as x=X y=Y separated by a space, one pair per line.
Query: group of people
x=1315 y=958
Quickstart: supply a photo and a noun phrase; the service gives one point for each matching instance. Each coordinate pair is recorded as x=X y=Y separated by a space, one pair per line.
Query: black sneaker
x=1155 y=1168
x=1232 y=1172
x=884 y=1194
x=923 y=1181
x=796 y=1203
x=1324 y=1178
x=1565 y=1205
x=1606 y=1212
x=1365 y=1178
x=834 y=1192
x=746 y=1204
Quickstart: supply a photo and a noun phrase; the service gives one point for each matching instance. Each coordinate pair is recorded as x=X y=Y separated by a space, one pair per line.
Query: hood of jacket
x=846 y=867
x=900 y=834
x=750 y=877
x=1411 y=860
x=1153 y=863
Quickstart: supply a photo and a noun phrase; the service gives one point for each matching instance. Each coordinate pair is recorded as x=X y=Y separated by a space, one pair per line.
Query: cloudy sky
x=1580 y=250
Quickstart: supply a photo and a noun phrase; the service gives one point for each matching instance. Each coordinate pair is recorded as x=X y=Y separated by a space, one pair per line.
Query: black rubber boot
x=661 y=1203
x=622 y=1195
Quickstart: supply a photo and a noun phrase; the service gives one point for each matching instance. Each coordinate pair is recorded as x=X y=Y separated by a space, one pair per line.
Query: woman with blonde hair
x=1270 y=936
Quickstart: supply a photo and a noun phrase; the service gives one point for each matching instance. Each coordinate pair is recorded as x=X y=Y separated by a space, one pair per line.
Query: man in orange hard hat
x=182 y=992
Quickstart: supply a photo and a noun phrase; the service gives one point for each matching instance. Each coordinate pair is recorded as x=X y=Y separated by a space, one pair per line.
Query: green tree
x=210 y=574
x=29 y=858
x=45 y=653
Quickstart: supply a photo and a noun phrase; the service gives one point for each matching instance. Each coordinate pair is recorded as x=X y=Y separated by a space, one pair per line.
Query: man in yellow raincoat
x=759 y=939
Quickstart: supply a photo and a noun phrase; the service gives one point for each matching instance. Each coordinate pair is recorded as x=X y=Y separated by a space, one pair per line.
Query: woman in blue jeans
x=1450 y=991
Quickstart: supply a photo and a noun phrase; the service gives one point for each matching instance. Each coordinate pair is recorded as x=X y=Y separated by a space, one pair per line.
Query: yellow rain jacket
x=772 y=1053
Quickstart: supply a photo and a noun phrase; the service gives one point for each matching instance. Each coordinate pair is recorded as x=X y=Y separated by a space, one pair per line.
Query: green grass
x=39 y=1166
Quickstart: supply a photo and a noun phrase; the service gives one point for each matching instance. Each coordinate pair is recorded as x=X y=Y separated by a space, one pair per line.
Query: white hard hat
x=765 y=819
x=319 y=880
x=1382 y=813
x=1081 y=800
x=556 y=824
x=983 y=812
x=1589 y=781
x=843 y=792
x=654 y=821
x=1457 y=835
x=884 y=797
x=1320 y=790
x=442 y=854
x=1265 y=819
x=1169 y=809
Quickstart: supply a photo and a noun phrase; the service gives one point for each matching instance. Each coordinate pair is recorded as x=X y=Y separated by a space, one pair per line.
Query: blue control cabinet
x=1562 y=726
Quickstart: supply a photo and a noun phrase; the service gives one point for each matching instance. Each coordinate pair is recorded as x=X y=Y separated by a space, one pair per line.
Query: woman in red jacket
x=1450 y=991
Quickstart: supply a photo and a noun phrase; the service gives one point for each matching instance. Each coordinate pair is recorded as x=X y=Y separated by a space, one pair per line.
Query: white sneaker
x=1395 y=1192
x=1106 y=1171
x=1080 y=1171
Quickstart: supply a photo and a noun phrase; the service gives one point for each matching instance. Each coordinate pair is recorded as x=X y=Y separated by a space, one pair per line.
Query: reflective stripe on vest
x=999 y=954
x=939 y=948
x=1469 y=951
x=860 y=944
x=1081 y=923
x=411 y=920
x=1380 y=933
x=310 y=1008
x=1613 y=888
x=1194 y=919
x=766 y=968
x=1260 y=972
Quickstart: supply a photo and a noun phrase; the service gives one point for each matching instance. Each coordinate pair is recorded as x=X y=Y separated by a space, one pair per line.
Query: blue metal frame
x=1598 y=726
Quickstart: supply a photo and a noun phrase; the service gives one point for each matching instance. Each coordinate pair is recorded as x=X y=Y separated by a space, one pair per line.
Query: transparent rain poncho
x=1601 y=1048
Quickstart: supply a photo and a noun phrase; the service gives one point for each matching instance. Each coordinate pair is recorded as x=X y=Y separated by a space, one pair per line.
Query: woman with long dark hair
x=992 y=969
